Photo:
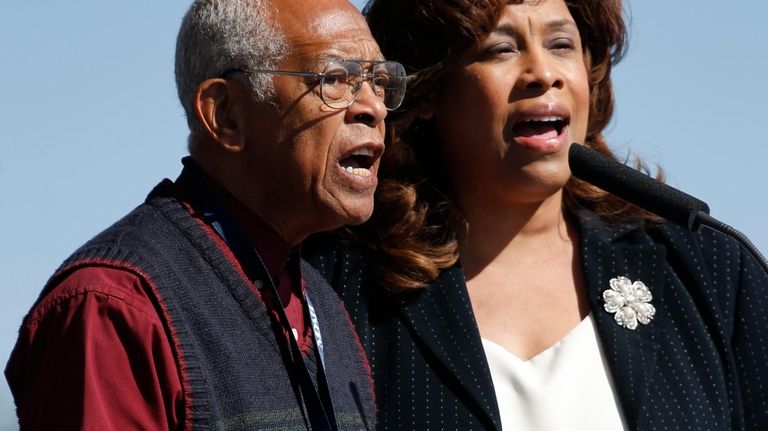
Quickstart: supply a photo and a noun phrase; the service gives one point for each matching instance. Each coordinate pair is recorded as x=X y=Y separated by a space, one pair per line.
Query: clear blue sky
x=90 y=121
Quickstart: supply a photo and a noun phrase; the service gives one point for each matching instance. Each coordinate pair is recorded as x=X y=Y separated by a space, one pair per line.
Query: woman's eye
x=499 y=49
x=562 y=45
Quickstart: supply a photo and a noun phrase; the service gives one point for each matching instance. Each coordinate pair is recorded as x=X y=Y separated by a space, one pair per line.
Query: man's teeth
x=363 y=152
x=362 y=172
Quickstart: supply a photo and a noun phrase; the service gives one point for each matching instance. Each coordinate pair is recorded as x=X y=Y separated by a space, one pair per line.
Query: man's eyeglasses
x=341 y=80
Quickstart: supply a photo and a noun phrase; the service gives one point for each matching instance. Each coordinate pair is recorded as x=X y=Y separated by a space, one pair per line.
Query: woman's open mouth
x=542 y=128
x=541 y=133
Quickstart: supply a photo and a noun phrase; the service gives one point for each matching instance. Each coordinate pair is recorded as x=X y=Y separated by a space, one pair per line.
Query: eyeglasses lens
x=342 y=80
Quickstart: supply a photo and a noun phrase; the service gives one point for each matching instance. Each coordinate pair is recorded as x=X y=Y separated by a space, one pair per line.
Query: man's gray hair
x=219 y=35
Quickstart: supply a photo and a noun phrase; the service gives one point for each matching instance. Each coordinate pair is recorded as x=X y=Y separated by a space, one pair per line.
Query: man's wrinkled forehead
x=330 y=23
x=325 y=25
x=314 y=16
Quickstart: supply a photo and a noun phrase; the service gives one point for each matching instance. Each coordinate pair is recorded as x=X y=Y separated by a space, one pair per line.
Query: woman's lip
x=544 y=144
x=541 y=110
x=544 y=111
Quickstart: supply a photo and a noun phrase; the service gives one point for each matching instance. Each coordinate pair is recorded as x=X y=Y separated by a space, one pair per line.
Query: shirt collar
x=272 y=248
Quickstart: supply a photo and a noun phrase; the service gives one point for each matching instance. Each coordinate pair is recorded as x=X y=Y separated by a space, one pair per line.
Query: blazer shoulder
x=719 y=252
x=339 y=261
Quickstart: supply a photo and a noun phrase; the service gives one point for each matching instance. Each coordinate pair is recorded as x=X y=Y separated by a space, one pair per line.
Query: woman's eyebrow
x=556 y=24
x=505 y=29
x=561 y=23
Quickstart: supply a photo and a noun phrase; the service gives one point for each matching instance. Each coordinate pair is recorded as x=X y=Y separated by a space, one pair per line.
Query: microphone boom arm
x=650 y=194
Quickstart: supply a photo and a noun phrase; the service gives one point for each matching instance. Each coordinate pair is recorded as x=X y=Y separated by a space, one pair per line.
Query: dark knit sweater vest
x=234 y=374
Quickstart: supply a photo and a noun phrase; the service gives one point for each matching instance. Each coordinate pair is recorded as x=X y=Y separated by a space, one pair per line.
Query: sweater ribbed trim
x=185 y=268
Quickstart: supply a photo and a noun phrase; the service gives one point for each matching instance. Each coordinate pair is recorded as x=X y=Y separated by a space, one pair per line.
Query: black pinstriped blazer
x=701 y=364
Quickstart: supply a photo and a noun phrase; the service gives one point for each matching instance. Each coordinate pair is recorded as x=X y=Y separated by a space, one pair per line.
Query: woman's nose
x=540 y=72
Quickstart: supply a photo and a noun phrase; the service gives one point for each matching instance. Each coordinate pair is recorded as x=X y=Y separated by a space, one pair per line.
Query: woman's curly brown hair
x=415 y=229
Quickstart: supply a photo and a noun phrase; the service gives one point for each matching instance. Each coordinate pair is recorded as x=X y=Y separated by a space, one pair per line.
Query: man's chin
x=343 y=208
x=354 y=214
x=358 y=215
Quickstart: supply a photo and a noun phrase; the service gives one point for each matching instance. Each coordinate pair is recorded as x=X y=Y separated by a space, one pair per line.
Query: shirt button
x=295 y=334
x=259 y=284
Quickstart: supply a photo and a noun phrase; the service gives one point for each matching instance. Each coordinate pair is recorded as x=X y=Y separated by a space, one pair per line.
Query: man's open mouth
x=359 y=163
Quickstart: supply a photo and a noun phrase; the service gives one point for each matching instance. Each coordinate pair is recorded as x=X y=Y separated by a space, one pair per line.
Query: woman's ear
x=218 y=110
x=426 y=109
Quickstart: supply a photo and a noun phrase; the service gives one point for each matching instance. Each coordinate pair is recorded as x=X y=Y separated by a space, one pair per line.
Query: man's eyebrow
x=325 y=58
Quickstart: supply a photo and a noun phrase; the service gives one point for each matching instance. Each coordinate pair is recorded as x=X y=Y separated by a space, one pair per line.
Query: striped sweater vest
x=234 y=374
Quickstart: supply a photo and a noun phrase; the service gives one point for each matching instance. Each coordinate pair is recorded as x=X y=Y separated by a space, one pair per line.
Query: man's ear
x=219 y=110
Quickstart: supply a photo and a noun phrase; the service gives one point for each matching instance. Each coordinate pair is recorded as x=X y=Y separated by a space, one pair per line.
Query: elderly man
x=196 y=310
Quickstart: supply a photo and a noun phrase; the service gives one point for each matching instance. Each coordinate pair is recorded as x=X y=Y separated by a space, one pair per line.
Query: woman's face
x=510 y=107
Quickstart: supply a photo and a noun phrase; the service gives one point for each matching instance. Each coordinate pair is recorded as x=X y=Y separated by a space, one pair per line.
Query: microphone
x=650 y=194
x=635 y=187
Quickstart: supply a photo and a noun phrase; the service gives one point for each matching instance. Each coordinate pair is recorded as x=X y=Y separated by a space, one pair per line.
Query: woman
x=493 y=290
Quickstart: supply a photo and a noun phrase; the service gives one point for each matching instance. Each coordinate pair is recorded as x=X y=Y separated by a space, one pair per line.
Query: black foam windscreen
x=635 y=187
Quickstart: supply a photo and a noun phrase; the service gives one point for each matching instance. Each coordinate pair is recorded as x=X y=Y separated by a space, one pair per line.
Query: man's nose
x=368 y=107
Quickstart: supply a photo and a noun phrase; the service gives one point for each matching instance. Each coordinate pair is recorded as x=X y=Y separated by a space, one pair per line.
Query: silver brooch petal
x=630 y=302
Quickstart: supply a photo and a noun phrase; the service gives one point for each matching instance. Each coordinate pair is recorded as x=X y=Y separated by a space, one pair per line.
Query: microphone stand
x=650 y=194
x=707 y=220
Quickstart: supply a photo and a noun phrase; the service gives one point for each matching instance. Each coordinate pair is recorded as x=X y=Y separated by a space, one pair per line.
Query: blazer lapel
x=441 y=318
x=630 y=354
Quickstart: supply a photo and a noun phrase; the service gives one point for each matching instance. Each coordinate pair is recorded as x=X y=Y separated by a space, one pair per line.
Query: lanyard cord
x=319 y=406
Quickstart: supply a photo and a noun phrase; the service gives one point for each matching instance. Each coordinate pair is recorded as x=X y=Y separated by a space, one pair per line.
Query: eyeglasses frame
x=320 y=77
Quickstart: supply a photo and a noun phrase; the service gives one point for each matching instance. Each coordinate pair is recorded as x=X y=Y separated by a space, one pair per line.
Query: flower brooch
x=630 y=302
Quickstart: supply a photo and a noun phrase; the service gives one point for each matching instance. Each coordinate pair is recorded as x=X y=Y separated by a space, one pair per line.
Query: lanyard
x=317 y=401
x=315 y=329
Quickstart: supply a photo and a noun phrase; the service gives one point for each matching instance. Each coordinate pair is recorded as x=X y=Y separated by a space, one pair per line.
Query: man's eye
x=381 y=80
x=336 y=77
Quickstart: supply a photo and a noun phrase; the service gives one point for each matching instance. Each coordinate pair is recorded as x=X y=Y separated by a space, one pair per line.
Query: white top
x=566 y=387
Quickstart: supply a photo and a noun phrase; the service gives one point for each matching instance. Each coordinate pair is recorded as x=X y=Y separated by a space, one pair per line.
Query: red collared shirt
x=94 y=354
